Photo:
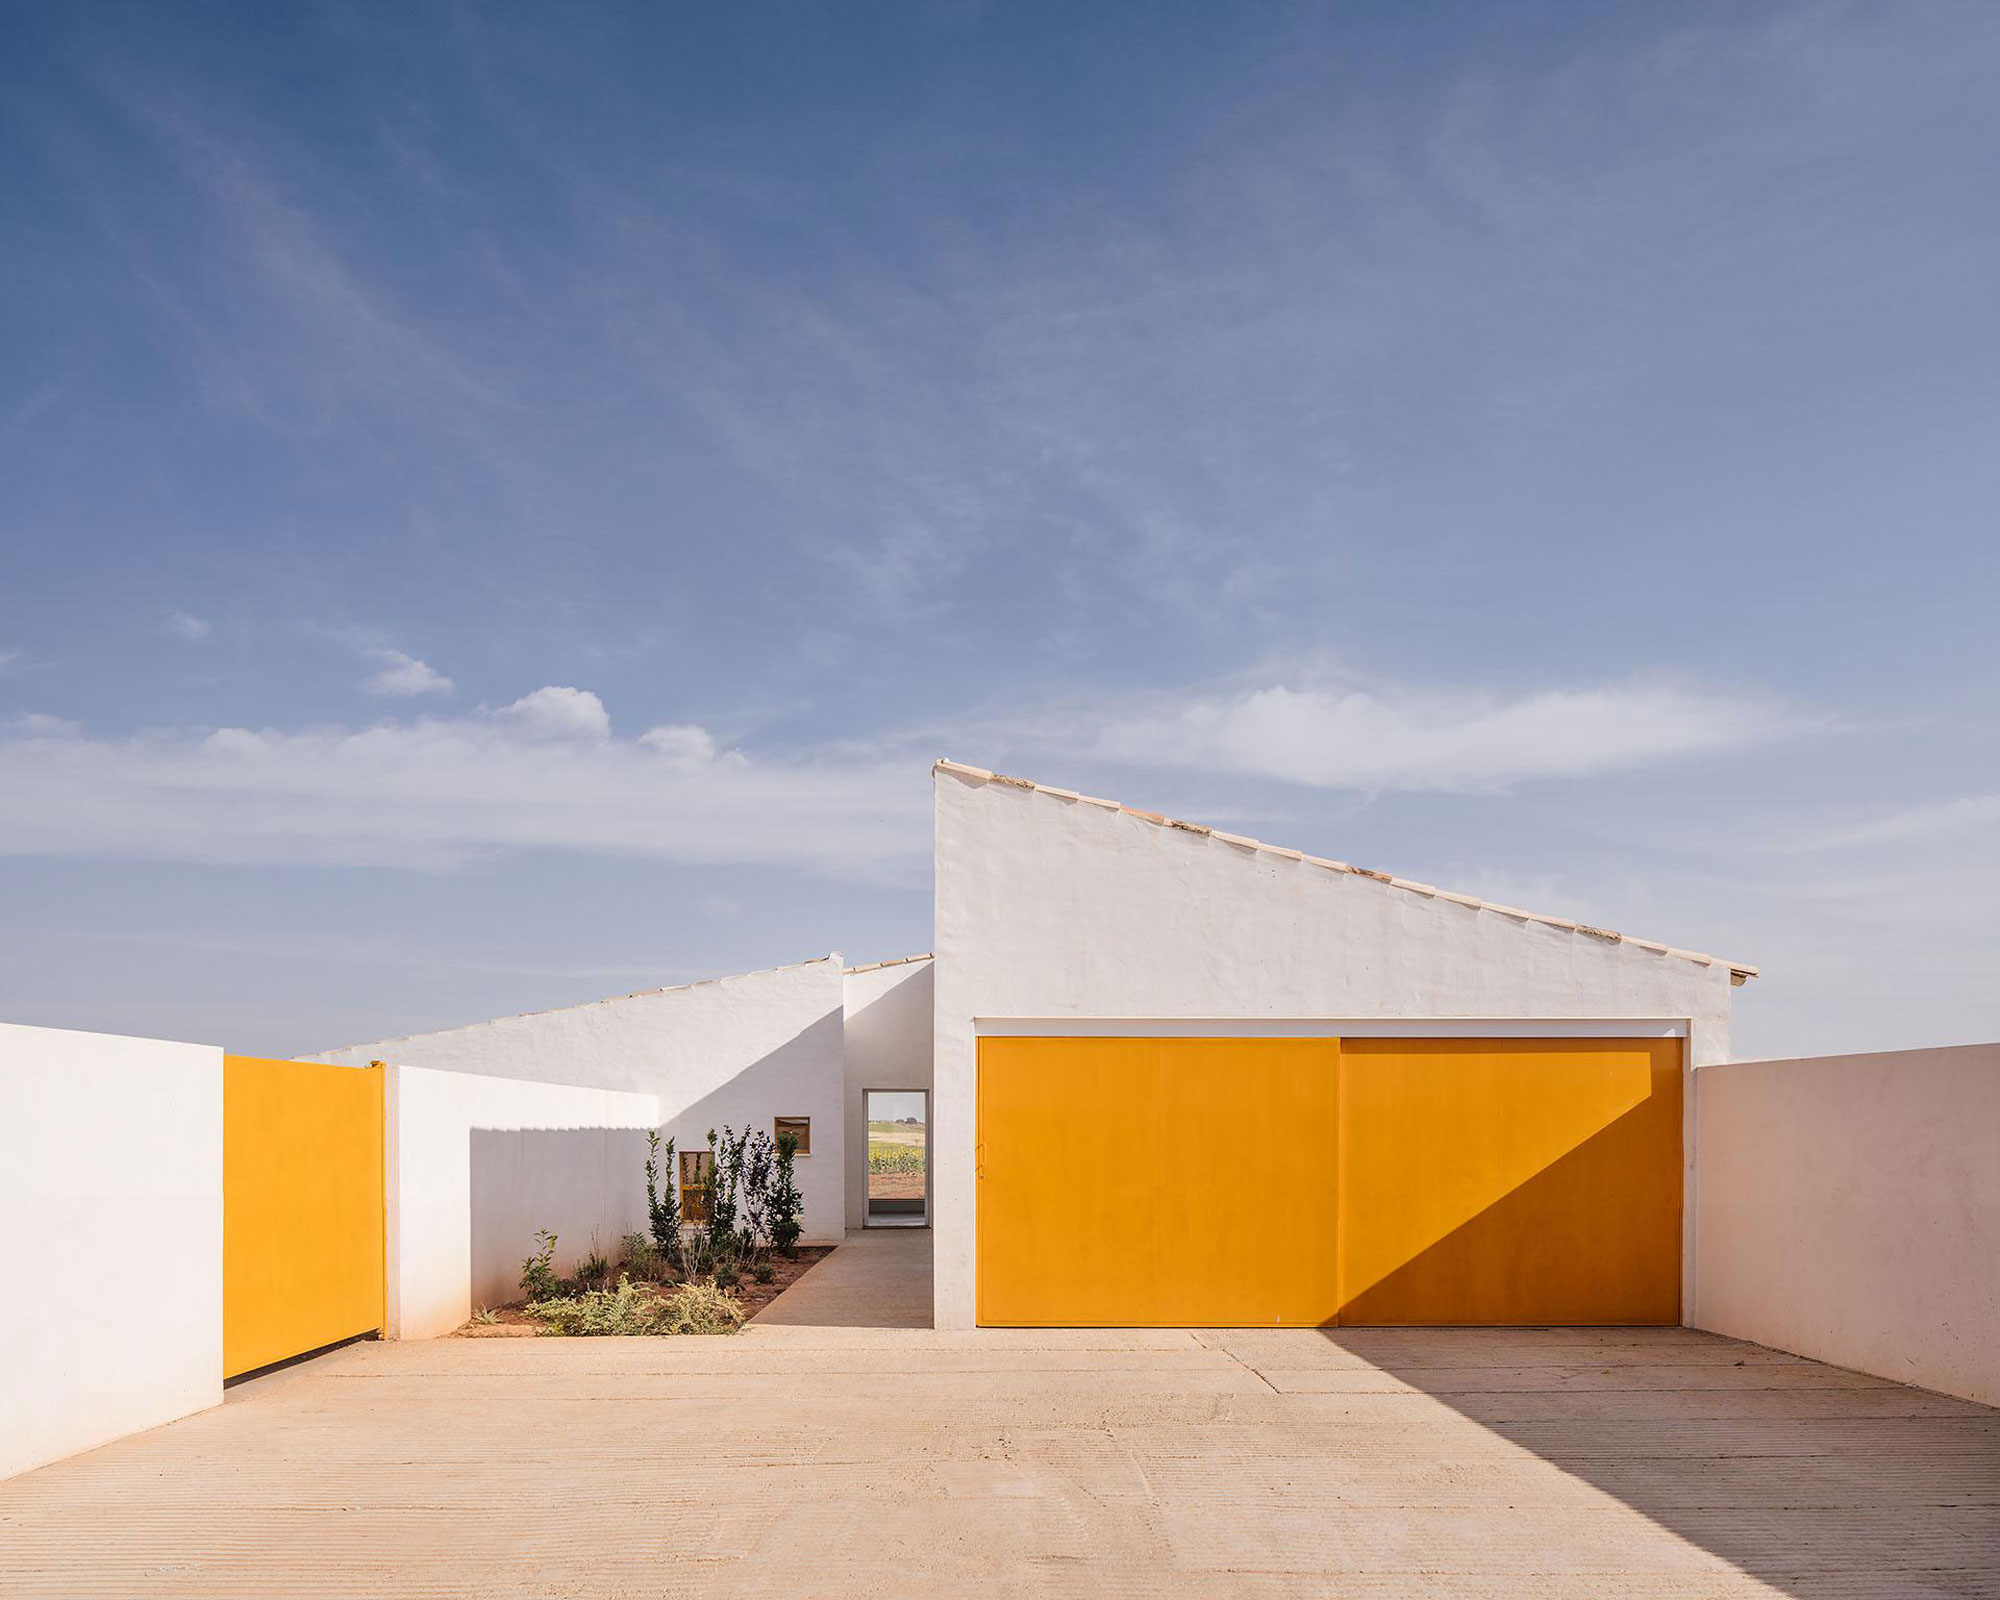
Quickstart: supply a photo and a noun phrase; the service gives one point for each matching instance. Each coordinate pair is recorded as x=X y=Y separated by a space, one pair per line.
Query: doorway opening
x=899 y=1158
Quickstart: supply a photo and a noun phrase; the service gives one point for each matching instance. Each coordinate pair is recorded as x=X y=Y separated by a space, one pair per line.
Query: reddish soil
x=515 y=1323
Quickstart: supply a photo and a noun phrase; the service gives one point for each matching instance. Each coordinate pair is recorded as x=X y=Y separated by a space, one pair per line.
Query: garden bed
x=513 y=1322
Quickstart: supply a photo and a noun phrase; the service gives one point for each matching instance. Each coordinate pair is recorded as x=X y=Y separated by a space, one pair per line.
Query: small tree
x=663 y=1211
x=726 y=1172
x=785 y=1204
x=759 y=1166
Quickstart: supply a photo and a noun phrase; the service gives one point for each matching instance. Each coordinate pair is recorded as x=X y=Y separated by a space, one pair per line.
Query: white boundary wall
x=110 y=1163
x=738 y=1051
x=1061 y=909
x=889 y=1012
x=477 y=1164
x=1850 y=1211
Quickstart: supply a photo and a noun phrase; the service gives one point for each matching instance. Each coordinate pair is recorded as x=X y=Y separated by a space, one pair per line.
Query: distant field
x=894 y=1155
x=895 y=1133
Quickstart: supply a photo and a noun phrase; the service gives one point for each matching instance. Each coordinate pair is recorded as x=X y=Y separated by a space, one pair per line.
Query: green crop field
x=885 y=1157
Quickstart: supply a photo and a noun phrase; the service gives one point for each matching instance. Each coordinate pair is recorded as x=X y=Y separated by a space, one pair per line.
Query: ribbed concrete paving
x=881 y=1278
x=830 y=1461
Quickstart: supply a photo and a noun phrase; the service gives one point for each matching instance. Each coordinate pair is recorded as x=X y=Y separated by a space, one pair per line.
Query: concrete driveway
x=831 y=1460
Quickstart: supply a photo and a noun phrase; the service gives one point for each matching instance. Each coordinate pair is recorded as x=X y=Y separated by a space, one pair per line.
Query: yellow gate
x=302 y=1208
x=1231 y=1182
x=1156 y=1182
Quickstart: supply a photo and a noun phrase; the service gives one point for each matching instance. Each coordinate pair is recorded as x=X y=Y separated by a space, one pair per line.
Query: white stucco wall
x=1059 y=907
x=738 y=1051
x=110 y=1174
x=1850 y=1211
x=889 y=1013
x=477 y=1164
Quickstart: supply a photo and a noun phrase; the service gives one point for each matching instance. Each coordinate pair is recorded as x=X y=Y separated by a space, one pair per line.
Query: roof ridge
x=1739 y=971
x=893 y=961
x=585 y=1005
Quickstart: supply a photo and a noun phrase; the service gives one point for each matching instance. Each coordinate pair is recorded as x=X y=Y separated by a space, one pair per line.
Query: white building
x=1060 y=916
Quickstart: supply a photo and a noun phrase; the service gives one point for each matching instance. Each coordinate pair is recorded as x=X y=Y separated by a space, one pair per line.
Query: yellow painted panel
x=302 y=1208
x=1157 y=1182
x=1510 y=1181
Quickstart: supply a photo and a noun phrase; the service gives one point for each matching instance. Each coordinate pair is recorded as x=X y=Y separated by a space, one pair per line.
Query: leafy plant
x=627 y=1310
x=635 y=1311
x=538 y=1272
x=663 y=1206
x=642 y=1258
x=726 y=1275
x=700 y=1308
x=786 y=1205
x=759 y=1167
x=595 y=1272
x=486 y=1317
x=693 y=1254
x=725 y=1174
x=763 y=1272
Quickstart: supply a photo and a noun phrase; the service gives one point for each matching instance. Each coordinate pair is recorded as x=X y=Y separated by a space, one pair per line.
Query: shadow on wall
x=1572 y=1241
x=586 y=1185
x=802 y=1077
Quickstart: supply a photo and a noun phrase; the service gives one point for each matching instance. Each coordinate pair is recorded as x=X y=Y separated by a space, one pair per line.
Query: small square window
x=799 y=1128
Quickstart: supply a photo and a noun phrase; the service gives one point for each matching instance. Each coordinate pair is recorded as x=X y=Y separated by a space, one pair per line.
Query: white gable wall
x=738 y=1051
x=1051 y=908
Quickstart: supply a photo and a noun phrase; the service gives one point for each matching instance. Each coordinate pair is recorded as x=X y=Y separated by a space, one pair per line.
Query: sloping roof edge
x=585 y=1005
x=1739 y=971
x=893 y=961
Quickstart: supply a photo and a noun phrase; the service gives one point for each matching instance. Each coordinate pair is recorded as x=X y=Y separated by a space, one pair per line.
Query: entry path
x=880 y=1278
x=835 y=1461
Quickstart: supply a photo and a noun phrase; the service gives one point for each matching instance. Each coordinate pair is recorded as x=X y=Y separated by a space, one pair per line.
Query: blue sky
x=502 y=505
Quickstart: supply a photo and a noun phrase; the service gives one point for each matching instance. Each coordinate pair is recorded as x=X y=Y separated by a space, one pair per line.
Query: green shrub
x=637 y=1311
x=785 y=1202
x=759 y=1167
x=663 y=1206
x=700 y=1308
x=595 y=1272
x=763 y=1272
x=642 y=1257
x=726 y=1171
x=601 y=1313
x=486 y=1316
x=727 y=1275
x=538 y=1273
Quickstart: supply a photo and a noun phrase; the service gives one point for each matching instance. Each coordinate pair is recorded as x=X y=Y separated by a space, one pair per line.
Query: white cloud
x=435 y=793
x=1941 y=819
x=558 y=713
x=9 y=657
x=40 y=725
x=680 y=741
x=404 y=677
x=188 y=626
x=1347 y=738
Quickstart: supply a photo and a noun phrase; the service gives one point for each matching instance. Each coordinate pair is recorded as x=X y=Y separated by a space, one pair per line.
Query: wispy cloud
x=1350 y=737
x=403 y=676
x=188 y=626
x=434 y=793
x=1943 y=819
